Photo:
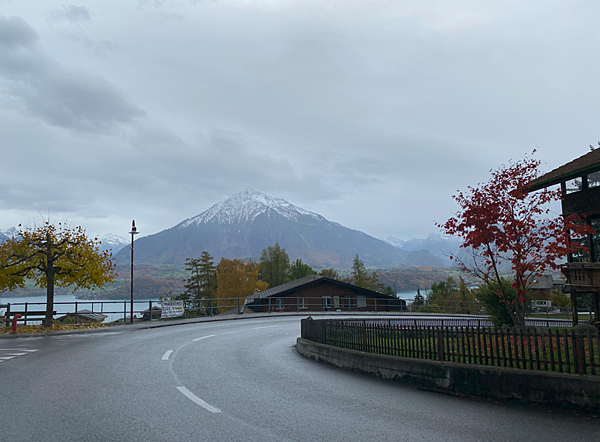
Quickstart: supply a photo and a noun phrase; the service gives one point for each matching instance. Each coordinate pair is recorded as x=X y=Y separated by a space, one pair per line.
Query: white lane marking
x=6 y=357
x=15 y=354
x=191 y=396
x=204 y=337
x=16 y=349
x=266 y=326
x=166 y=355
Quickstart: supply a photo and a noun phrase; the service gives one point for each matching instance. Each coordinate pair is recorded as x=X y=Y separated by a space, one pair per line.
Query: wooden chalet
x=580 y=184
x=319 y=293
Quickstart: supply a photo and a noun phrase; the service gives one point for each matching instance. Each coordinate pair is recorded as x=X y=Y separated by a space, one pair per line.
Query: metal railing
x=114 y=310
x=548 y=349
x=325 y=303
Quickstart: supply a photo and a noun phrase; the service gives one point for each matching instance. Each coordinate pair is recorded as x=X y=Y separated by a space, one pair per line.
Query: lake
x=66 y=304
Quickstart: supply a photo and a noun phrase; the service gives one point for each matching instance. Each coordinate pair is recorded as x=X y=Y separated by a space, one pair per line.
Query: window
x=361 y=301
x=279 y=303
x=326 y=302
x=302 y=303
x=347 y=301
x=593 y=179
x=574 y=185
x=336 y=302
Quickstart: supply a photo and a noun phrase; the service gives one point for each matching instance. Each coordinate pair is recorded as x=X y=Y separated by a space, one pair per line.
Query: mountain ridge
x=246 y=223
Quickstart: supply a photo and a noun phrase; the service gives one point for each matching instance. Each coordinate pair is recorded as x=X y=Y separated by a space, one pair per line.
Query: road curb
x=230 y=317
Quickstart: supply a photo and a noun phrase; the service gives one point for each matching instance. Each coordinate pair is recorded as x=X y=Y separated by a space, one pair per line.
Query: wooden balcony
x=582 y=276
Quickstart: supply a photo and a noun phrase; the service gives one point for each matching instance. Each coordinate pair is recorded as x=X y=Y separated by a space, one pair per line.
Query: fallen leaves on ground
x=55 y=328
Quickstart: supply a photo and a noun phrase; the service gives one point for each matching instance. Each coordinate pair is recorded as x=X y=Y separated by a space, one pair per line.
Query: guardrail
x=538 y=349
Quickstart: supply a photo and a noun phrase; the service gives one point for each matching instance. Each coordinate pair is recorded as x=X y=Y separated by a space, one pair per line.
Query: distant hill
x=243 y=225
x=439 y=246
x=423 y=258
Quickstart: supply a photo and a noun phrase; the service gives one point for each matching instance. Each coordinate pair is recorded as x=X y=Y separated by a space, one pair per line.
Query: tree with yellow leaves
x=51 y=256
x=237 y=279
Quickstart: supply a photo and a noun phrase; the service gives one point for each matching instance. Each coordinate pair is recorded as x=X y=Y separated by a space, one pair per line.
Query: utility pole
x=133 y=233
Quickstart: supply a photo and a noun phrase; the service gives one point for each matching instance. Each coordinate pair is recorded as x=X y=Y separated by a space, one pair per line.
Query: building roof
x=585 y=164
x=306 y=281
x=545 y=282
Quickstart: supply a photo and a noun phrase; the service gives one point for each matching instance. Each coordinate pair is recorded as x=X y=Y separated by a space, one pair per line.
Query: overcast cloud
x=371 y=113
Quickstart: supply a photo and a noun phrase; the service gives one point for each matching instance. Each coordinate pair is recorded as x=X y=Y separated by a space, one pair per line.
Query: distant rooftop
x=285 y=287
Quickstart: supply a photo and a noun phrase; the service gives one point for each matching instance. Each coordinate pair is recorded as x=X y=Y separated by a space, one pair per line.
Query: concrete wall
x=556 y=389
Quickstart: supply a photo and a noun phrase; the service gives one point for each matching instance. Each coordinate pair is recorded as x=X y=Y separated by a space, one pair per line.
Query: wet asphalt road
x=235 y=381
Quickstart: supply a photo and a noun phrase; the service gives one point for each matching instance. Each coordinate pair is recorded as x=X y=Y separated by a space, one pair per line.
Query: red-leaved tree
x=500 y=224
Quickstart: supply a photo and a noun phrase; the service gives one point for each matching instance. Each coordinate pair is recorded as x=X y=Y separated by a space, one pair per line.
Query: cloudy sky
x=371 y=113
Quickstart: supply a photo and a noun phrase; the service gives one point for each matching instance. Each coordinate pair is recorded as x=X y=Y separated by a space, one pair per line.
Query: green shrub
x=494 y=305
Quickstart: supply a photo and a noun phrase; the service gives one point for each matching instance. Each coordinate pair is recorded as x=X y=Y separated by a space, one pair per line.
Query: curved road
x=234 y=381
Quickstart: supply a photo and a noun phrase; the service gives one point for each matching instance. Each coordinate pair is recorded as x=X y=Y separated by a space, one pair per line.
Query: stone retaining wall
x=556 y=389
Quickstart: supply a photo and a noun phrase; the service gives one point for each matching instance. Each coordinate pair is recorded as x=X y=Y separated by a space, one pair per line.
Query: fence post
x=211 y=307
x=269 y=310
x=124 y=311
x=375 y=304
x=427 y=306
x=297 y=304
x=364 y=336
x=25 y=314
x=150 y=308
x=578 y=352
x=441 y=344
x=76 y=314
x=238 y=306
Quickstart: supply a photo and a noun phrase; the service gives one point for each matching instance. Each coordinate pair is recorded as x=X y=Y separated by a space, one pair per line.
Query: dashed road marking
x=11 y=353
x=204 y=337
x=191 y=396
x=166 y=355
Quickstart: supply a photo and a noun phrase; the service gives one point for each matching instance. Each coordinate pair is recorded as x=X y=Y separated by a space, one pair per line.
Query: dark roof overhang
x=581 y=166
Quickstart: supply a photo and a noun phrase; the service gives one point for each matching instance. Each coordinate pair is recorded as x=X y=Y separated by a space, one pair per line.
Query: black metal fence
x=548 y=349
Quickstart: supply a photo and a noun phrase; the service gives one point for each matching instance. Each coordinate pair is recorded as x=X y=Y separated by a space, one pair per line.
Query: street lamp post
x=133 y=233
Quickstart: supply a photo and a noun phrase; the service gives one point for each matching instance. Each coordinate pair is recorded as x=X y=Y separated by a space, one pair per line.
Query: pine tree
x=364 y=278
x=330 y=273
x=202 y=282
x=299 y=270
x=274 y=266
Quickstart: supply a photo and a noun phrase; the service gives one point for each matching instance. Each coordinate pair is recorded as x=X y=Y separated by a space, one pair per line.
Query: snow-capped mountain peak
x=9 y=233
x=112 y=242
x=109 y=238
x=245 y=206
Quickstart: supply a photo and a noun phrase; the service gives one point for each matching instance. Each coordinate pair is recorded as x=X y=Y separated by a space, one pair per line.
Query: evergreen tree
x=202 y=282
x=299 y=270
x=274 y=266
x=330 y=273
x=364 y=278
x=418 y=301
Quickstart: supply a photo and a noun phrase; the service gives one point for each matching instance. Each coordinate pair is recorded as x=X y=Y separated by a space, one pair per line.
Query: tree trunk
x=49 y=294
x=49 y=302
